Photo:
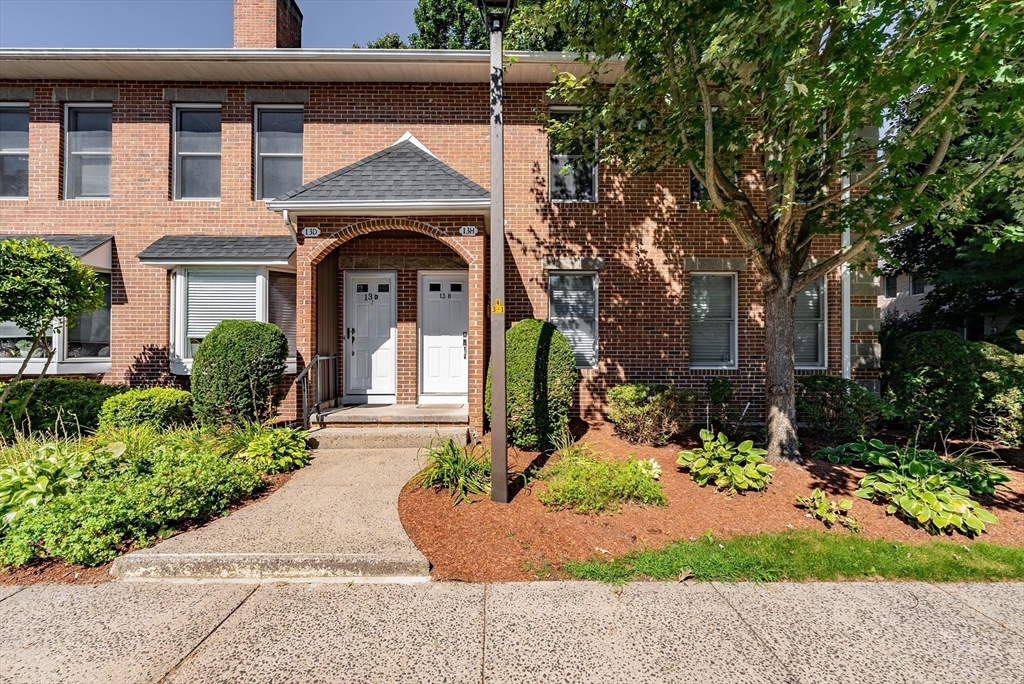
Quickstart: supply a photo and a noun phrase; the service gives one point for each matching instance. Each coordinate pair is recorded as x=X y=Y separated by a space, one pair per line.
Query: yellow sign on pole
x=497 y=307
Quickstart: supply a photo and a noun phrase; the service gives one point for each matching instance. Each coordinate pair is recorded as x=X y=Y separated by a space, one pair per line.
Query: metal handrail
x=323 y=388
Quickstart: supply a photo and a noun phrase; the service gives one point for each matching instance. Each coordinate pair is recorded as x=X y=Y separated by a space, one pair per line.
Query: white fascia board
x=175 y=263
x=340 y=208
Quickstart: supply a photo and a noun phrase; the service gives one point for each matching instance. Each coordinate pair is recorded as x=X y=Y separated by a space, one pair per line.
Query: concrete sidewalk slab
x=877 y=632
x=1002 y=602
x=9 y=591
x=588 y=632
x=115 y=632
x=338 y=517
x=346 y=633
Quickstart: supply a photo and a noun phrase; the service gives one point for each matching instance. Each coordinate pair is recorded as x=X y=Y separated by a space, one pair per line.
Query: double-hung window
x=196 y=152
x=278 y=151
x=570 y=177
x=572 y=308
x=713 y=321
x=87 y=144
x=917 y=284
x=891 y=286
x=809 y=326
x=13 y=151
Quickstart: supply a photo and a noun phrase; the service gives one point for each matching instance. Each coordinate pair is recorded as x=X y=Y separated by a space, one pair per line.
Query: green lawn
x=805 y=555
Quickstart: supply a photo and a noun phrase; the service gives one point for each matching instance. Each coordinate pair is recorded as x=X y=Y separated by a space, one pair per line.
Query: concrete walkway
x=338 y=517
x=149 y=631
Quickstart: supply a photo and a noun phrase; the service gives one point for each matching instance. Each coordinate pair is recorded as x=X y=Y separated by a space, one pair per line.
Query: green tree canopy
x=457 y=25
x=796 y=88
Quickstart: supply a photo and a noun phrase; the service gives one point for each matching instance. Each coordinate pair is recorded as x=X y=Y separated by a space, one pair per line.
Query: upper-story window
x=14 y=151
x=570 y=177
x=196 y=152
x=918 y=284
x=891 y=286
x=87 y=142
x=278 y=151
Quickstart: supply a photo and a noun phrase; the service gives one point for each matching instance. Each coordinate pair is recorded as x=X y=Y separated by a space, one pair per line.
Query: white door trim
x=368 y=398
x=424 y=398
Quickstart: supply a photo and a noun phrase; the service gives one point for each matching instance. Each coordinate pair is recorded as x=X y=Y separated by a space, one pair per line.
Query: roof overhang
x=383 y=208
x=92 y=250
x=171 y=251
x=287 y=65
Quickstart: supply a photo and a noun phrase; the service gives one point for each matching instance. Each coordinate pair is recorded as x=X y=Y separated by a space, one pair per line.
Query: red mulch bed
x=522 y=540
x=55 y=572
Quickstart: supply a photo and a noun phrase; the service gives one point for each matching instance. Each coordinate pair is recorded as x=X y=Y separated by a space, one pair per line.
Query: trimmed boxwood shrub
x=650 y=414
x=541 y=382
x=835 y=409
x=235 y=370
x=159 y=407
x=934 y=380
x=74 y=403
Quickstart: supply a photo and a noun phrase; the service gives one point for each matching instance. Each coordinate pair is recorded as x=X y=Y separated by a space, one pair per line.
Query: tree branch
x=828 y=265
x=937 y=159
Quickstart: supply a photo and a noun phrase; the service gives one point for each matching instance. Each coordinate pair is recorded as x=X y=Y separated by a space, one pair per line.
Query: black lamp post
x=496 y=14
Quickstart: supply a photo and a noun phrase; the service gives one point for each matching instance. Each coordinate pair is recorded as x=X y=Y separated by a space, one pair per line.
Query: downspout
x=845 y=271
x=288 y=222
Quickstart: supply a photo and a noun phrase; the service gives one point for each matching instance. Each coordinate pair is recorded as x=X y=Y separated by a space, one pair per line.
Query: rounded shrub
x=158 y=407
x=835 y=409
x=235 y=370
x=541 y=380
x=934 y=380
x=650 y=414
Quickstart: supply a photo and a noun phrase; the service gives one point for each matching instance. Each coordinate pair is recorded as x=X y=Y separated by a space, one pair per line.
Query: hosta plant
x=276 y=451
x=933 y=502
x=730 y=467
x=829 y=512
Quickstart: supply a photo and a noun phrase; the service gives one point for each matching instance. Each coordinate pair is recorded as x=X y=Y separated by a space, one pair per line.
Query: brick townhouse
x=342 y=195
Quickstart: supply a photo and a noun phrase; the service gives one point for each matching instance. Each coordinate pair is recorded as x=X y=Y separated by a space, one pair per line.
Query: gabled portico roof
x=405 y=177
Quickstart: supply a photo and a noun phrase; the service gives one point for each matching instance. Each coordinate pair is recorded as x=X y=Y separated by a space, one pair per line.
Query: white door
x=370 y=337
x=444 y=341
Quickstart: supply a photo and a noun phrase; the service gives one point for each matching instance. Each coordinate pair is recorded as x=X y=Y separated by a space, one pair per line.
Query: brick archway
x=377 y=225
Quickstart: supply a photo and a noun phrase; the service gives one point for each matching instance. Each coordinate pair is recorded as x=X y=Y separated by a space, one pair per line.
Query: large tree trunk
x=780 y=392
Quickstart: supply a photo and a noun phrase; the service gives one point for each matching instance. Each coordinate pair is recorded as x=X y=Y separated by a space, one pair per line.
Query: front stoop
x=390 y=426
x=362 y=437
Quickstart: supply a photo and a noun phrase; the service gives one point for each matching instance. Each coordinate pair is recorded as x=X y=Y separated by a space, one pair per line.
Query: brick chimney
x=267 y=24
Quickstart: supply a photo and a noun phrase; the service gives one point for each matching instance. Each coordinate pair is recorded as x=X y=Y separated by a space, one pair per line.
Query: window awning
x=403 y=178
x=185 y=250
x=91 y=250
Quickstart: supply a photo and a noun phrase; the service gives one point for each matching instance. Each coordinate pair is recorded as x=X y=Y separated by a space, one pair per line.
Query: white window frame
x=824 y=330
x=597 y=167
x=26 y=151
x=256 y=144
x=597 y=310
x=175 y=158
x=62 y=363
x=924 y=288
x=67 y=148
x=735 y=321
x=180 y=363
x=885 y=287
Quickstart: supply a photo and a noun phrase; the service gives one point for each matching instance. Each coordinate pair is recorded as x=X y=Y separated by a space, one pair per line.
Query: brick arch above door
x=334 y=237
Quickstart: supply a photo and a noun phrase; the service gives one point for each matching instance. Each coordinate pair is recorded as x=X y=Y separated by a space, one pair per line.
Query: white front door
x=370 y=337
x=444 y=336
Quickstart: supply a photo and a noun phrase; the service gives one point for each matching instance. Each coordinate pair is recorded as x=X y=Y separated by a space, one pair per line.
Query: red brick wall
x=643 y=226
x=267 y=24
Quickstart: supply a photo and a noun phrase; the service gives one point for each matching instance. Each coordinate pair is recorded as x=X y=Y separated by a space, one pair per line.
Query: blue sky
x=187 y=23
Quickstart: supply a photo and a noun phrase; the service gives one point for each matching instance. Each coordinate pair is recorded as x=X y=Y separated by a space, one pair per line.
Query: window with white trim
x=87 y=147
x=278 y=151
x=891 y=286
x=917 y=284
x=14 y=151
x=570 y=177
x=197 y=152
x=713 y=320
x=572 y=308
x=281 y=305
x=809 y=326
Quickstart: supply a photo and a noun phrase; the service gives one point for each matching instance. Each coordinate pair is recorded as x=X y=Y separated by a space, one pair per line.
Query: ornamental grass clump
x=463 y=471
x=583 y=482
x=730 y=467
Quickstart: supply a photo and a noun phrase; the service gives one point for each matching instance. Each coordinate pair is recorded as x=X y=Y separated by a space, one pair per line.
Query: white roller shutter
x=215 y=295
x=281 y=304
x=573 y=310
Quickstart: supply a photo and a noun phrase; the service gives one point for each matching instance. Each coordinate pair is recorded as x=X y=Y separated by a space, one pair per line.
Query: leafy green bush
x=541 y=382
x=835 y=409
x=720 y=393
x=128 y=502
x=461 y=470
x=57 y=403
x=1002 y=416
x=829 y=512
x=934 y=502
x=650 y=414
x=935 y=381
x=160 y=407
x=276 y=450
x=582 y=482
x=235 y=370
x=732 y=468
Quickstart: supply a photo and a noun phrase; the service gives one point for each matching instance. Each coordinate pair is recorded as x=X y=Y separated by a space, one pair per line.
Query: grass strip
x=806 y=555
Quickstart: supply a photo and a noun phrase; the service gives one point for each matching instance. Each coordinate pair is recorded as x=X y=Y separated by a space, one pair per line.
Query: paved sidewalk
x=530 y=632
x=336 y=517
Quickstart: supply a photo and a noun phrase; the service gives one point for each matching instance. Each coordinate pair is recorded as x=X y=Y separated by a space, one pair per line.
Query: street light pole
x=496 y=14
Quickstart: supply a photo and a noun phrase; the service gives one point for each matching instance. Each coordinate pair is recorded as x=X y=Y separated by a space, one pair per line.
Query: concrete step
x=267 y=566
x=424 y=415
x=385 y=437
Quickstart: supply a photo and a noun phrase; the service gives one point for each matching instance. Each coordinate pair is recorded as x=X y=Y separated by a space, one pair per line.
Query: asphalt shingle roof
x=80 y=245
x=188 y=247
x=402 y=172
